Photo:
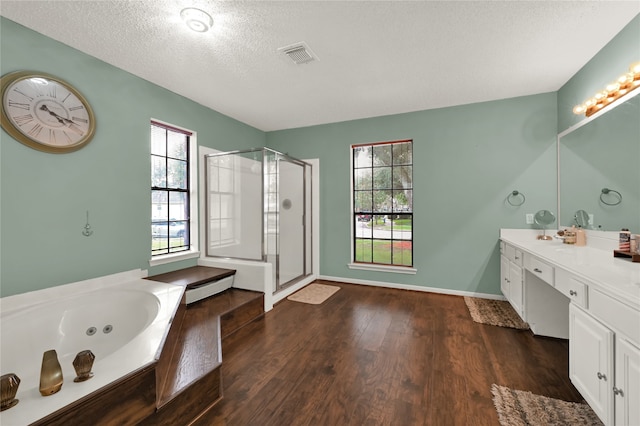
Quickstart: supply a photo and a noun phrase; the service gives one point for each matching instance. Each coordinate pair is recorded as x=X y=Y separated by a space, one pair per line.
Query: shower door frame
x=307 y=171
x=307 y=223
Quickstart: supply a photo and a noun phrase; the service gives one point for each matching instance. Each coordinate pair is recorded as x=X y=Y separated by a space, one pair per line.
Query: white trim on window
x=382 y=268
x=377 y=267
x=194 y=245
x=173 y=257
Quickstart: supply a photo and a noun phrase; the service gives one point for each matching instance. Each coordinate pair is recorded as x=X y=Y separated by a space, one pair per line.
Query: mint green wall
x=606 y=66
x=467 y=159
x=44 y=197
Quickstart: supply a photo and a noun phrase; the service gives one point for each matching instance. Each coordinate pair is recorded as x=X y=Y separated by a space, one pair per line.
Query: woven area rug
x=521 y=408
x=494 y=312
x=314 y=294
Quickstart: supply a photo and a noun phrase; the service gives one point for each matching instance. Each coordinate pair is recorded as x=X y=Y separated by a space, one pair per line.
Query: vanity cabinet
x=591 y=361
x=605 y=368
x=592 y=298
x=627 y=389
x=511 y=277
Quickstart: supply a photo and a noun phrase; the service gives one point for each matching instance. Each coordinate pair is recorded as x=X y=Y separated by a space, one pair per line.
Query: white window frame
x=370 y=266
x=194 y=246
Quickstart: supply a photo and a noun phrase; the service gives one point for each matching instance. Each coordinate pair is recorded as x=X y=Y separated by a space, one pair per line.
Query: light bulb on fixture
x=196 y=19
x=612 y=87
x=579 y=109
x=601 y=95
x=625 y=78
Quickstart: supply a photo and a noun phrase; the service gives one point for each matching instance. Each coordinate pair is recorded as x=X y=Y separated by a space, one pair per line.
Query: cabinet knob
x=601 y=376
x=537 y=270
x=617 y=391
x=517 y=257
x=573 y=293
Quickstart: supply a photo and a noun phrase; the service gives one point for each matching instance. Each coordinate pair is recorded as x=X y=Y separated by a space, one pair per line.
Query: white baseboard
x=413 y=287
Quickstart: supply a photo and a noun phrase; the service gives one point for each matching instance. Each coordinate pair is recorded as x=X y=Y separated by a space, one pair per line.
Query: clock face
x=45 y=113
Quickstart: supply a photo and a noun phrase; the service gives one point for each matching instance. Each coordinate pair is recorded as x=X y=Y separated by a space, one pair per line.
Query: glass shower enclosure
x=258 y=208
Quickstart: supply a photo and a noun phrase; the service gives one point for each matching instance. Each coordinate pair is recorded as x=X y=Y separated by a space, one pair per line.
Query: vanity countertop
x=618 y=277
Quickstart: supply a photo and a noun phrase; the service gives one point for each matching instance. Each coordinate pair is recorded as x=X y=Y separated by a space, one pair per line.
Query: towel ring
x=514 y=194
x=606 y=191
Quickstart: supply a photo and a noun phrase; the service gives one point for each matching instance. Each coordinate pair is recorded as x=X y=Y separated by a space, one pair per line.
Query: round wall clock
x=45 y=112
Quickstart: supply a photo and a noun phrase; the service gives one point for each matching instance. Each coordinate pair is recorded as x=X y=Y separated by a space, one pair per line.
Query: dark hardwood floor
x=377 y=356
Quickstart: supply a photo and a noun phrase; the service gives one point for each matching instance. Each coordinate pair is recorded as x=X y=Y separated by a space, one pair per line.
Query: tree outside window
x=383 y=203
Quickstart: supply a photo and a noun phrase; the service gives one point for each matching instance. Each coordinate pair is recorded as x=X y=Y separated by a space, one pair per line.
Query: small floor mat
x=522 y=408
x=314 y=294
x=494 y=312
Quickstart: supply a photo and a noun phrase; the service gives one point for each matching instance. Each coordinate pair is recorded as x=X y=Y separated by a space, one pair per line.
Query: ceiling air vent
x=299 y=53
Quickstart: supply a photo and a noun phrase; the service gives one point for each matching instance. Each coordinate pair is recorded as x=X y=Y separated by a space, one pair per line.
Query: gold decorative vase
x=83 y=363
x=8 y=389
x=51 y=374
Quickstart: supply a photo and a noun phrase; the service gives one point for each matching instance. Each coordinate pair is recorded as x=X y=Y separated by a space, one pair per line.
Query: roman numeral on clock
x=52 y=136
x=20 y=105
x=21 y=120
x=35 y=130
x=23 y=94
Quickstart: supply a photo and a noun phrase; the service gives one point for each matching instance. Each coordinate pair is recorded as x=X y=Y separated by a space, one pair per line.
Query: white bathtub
x=130 y=316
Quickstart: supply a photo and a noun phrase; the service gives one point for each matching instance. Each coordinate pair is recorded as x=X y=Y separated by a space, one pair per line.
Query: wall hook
x=512 y=197
x=87 y=228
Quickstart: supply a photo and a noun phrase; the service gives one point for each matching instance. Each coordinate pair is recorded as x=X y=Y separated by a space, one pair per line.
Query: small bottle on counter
x=625 y=240
x=581 y=238
x=633 y=244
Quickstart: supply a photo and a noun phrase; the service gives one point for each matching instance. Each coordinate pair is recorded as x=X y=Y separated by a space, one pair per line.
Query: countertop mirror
x=599 y=154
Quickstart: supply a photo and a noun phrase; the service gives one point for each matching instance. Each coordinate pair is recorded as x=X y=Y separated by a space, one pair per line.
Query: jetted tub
x=122 y=318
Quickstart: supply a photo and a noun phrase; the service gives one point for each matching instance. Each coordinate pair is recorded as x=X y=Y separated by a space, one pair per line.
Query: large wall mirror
x=599 y=170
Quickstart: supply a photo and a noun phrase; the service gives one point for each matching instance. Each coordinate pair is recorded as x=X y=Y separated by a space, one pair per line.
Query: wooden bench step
x=189 y=366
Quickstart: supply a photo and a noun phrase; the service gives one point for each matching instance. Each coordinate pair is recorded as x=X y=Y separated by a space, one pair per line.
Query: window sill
x=383 y=268
x=173 y=257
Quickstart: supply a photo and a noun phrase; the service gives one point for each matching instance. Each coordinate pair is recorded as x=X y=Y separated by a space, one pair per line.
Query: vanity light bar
x=626 y=83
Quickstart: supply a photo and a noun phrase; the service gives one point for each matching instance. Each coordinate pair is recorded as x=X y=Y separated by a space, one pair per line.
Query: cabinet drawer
x=572 y=287
x=513 y=254
x=540 y=269
x=617 y=315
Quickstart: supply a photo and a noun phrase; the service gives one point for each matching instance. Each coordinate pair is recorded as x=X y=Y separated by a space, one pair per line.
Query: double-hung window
x=382 y=200
x=171 y=190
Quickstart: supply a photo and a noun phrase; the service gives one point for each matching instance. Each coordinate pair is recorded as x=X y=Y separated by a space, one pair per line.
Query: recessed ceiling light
x=196 y=19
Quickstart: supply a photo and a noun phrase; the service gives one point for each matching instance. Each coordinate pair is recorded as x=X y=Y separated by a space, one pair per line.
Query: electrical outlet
x=529 y=218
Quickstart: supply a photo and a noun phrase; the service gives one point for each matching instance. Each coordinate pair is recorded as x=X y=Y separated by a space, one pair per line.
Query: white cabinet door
x=591 y=362
x=504 y=276
x=627 y=385
x=515 y=288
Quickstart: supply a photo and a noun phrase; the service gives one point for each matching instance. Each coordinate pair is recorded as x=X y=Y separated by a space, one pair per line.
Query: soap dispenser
x=581 y=237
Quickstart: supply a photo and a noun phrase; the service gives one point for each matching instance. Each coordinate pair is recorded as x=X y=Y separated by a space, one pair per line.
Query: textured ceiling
x=375 y=57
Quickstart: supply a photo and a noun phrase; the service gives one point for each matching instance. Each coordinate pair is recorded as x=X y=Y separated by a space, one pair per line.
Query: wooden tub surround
x=186 y=381
x=188 y=373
